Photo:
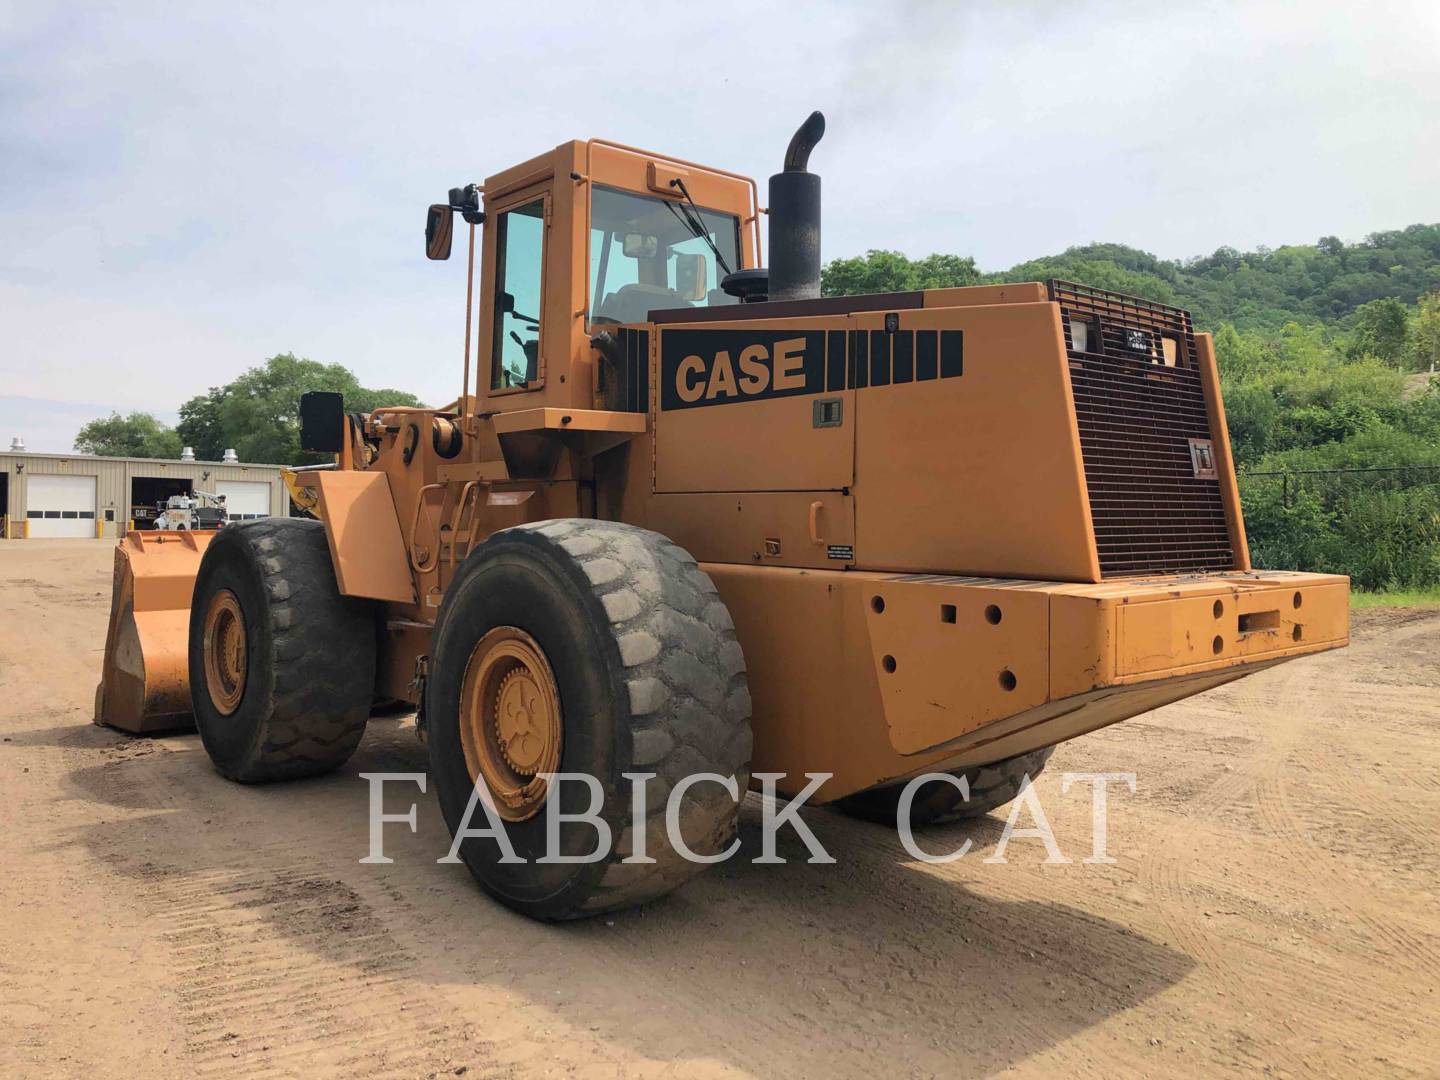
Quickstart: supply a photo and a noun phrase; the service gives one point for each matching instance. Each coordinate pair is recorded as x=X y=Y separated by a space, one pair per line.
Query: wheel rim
x=226 y=652
x=510 y=725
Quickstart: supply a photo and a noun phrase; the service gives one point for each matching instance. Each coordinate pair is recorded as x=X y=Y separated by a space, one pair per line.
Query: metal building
x=77 y=495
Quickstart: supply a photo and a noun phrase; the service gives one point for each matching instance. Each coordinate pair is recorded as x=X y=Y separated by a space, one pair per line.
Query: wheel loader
x=694 y=521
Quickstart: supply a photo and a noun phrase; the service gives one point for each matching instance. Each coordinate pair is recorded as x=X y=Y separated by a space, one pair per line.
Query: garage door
x=60 y=505
x=245 y=499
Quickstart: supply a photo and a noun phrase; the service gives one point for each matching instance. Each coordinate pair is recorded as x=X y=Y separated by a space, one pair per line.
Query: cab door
x=514 y=313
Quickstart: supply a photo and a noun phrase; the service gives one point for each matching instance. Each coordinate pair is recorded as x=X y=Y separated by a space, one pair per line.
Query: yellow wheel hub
x=226 y=652
x=510 y=725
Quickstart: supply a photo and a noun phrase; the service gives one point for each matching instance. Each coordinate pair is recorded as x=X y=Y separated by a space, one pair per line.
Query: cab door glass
x=519 y=262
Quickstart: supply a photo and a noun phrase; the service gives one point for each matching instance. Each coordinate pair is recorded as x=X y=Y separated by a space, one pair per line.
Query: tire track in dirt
x=995 y=920
x=1169 y=869
x=279 y=965
x=1166 y=867
x=281 y=971
x=1314 y=712
x=857 y=844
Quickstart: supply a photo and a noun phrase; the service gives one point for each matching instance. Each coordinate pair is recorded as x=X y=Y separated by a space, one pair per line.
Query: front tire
x=604 y=648
x=282 y=667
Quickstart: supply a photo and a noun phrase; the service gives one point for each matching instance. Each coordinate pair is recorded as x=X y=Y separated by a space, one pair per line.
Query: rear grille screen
x=1139 y=402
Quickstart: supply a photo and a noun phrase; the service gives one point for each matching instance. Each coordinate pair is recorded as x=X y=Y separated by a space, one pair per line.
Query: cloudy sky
x=186 y=189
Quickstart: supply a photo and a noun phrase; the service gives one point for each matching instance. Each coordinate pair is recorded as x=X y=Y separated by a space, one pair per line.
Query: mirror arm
x=466 y=200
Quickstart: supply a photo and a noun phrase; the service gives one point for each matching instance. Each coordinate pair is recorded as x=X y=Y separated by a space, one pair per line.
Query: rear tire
x=283 y=689
x=991 y=786
x=627 y=634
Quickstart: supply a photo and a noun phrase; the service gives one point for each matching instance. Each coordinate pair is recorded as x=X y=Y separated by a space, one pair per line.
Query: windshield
x=645 y=256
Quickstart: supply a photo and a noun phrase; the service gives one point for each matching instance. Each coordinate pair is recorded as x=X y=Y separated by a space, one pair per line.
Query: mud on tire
x=651 y=679
x=310 y=654
x=991 y=786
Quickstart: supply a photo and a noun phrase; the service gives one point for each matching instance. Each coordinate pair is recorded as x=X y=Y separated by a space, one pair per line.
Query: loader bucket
x=145 y=683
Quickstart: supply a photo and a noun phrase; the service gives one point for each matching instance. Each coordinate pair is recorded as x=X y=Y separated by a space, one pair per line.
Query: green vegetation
x=1324 y=352
x=136 y=435
x=257 y=415
x=1399 y=599
x=889 y=271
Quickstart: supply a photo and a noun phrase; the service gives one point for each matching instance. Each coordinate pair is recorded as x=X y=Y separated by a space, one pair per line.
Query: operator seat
x=634 y=302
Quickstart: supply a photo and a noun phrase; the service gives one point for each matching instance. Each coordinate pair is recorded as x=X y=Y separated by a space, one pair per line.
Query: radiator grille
x=1139 y=401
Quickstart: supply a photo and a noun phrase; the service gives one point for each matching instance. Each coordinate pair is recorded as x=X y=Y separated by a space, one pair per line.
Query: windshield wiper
x=690 y=218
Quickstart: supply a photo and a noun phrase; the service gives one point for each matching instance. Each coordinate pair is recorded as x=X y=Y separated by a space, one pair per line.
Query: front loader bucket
x=145 y=683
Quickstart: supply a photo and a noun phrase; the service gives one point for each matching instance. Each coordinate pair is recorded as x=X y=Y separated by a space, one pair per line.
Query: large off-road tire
x=991 y=786
x=282 y=667
x=583 y=646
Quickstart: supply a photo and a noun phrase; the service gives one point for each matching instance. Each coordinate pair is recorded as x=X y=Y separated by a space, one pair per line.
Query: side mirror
x=690 y=276
x=439 y=227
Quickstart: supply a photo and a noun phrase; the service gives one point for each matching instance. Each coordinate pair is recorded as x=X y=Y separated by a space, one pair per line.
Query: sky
x=188 y=189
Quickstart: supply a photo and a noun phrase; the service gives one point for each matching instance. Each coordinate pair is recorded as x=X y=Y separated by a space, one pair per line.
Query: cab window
x=519 y=255
x=645 y=254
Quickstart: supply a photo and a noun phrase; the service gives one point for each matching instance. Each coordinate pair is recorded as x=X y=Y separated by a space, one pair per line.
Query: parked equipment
x=680 y=528
x=201 y=510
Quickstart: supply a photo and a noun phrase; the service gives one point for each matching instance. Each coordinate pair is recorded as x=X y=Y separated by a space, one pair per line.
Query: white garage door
x=245 y=499
x=60 y=505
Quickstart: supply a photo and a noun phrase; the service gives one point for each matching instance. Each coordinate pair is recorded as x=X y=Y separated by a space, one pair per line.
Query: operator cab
x=588 y=236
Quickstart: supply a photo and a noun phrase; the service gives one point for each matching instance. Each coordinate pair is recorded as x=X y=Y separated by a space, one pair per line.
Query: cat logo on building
x=723 y=367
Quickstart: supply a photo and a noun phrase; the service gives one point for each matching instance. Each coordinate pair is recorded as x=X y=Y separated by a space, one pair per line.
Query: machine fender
x=363 y=530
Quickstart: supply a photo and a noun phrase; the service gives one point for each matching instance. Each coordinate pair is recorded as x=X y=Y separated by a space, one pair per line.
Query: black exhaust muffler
x=795 y=219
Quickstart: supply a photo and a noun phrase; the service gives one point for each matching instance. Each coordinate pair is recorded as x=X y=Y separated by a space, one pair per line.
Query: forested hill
x=1302 y=283
x=1262 y=289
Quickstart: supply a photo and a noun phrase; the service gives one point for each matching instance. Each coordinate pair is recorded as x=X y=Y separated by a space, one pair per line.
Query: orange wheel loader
x=695 y=520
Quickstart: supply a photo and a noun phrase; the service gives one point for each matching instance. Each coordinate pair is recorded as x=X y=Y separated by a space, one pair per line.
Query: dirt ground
x=1273 y=907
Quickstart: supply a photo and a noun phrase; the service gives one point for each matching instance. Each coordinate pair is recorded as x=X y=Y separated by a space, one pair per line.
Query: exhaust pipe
x=794 y=271
x=795 y=219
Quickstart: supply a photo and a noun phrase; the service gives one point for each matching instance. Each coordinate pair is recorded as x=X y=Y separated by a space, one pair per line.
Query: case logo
x=722 y=367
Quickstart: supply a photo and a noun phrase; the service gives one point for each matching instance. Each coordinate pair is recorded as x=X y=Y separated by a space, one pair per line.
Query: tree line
x=256 y=415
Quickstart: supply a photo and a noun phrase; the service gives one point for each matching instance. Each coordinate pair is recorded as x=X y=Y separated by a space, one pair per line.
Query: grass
x=1416 y=598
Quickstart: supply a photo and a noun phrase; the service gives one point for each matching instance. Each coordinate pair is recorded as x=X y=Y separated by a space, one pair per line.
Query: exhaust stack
x=795 y=219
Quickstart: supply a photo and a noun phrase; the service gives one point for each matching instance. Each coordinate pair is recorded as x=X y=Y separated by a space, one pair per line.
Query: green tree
x=258 y=413
x=1382 y=330
x=199 y=425
x=136 y=435
x=890 y=271
x=1426 y=337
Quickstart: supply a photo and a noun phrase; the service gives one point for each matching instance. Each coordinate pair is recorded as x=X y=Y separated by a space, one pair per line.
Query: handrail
x=415 y=525
x=469 y=489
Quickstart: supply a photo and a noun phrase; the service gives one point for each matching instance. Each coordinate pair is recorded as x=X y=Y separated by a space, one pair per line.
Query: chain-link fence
x=1381 y=526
